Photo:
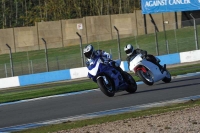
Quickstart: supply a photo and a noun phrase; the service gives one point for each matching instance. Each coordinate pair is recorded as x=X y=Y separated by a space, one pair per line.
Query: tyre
x=132 y=84
x=167 y=78
x=145 y=77
x=107 y=89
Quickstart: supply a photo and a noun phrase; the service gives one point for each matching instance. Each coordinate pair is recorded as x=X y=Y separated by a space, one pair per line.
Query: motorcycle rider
x=91 y=54
x=130 y=52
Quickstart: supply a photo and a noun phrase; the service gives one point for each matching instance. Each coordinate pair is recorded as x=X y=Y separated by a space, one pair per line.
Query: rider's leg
x=117 y=67
x=121 y=71
x=162 y=68
x=156 y=62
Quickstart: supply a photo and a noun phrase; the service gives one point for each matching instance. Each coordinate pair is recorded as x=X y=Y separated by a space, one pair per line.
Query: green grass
x=110 y=118
x=35 y=93
x=185 y=69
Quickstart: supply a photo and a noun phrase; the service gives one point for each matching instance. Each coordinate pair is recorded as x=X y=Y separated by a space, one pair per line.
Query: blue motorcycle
x=109 y=79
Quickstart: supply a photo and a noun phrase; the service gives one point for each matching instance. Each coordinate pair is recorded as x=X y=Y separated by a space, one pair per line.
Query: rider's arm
x=140 y=51
x=105 y=54
x=89 y=62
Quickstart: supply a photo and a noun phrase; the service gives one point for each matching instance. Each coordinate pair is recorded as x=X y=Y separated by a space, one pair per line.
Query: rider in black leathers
x=130 y=52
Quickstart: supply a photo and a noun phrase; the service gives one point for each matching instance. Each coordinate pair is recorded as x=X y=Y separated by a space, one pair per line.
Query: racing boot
x=162 y=68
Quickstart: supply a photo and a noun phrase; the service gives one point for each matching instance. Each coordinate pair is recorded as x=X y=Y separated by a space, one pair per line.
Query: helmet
x=128 y=49
x=88 y=51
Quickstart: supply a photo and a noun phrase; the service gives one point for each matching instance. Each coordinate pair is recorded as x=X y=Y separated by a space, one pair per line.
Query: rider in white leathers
x=92 y=54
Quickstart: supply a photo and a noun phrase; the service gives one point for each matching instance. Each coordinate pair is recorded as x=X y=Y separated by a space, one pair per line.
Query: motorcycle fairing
x=135 y=61
x=93 y=69
x=98 y=68
x=154 y=70
x=138 y=62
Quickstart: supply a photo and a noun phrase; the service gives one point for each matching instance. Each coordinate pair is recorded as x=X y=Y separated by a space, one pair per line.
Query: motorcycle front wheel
x=106 y=88
x=145 y=77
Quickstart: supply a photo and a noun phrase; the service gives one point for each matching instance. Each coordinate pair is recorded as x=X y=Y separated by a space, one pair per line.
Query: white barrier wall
x=9 y=82
x=81 y=72
x=190 y=56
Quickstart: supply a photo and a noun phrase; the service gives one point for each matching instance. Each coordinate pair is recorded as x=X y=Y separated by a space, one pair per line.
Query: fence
x=170 y=39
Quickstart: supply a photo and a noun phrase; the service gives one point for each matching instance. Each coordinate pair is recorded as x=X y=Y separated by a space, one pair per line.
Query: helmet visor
x=88 y=54
x=129 y=51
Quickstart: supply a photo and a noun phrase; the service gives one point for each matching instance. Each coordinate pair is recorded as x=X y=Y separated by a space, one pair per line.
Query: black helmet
x=128 y=49
x=88 y=51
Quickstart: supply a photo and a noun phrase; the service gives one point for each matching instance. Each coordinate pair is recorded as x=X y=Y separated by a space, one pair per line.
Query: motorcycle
x=147 y=71
x=109 y=79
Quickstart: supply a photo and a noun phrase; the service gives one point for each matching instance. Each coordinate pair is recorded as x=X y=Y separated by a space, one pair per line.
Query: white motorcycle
x=147 y=71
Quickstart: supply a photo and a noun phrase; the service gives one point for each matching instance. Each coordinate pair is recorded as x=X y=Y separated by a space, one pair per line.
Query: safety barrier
x=81 y=72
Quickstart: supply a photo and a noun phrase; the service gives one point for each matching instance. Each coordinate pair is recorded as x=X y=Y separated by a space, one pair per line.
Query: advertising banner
x=160 y=6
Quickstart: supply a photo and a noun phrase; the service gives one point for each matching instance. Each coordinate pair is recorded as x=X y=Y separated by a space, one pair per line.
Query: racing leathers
x=149 y=57
x=107 y=59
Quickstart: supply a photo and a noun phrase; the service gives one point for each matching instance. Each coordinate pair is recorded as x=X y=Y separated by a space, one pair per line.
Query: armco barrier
x=74 y=73
x=40 y=78
x=170 y=59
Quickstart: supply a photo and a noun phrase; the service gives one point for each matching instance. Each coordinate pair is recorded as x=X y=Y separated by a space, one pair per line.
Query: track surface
x=95 y=101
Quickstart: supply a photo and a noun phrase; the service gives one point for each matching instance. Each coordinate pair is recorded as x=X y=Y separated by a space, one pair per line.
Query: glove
x=87 y=63
x=144 y=56
x=113 y=63
x=106 y=62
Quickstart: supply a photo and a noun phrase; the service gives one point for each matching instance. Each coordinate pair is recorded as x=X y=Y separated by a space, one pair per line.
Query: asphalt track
x=74 y=104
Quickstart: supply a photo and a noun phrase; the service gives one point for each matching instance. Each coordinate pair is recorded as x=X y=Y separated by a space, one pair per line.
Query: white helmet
x=128 y=49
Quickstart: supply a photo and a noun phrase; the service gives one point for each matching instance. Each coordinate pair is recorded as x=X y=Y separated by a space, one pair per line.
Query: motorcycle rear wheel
x=145 y=77
x=107 y=89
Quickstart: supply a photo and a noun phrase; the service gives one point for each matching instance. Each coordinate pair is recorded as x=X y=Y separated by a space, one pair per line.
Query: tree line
x=19 y=13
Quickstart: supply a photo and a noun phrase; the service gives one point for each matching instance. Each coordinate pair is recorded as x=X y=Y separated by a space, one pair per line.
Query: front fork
x=105 y=79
